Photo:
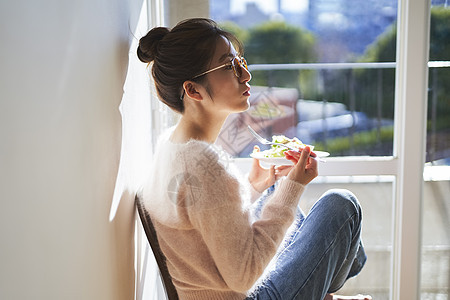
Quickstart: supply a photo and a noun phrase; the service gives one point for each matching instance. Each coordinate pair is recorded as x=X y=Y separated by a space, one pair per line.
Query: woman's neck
x=203 y=129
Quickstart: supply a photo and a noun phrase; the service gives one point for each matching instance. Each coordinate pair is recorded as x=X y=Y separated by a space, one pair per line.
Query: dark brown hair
x=180 y=54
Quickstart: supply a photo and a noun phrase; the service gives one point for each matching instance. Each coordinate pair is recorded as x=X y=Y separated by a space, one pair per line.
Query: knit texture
x=200 y=207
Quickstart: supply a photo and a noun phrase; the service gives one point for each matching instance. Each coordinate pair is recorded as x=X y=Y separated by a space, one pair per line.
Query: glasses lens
x=244 y=63
x=236 y=67
x=238 y=64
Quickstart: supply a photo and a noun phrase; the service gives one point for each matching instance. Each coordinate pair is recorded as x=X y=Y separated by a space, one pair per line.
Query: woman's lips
x=246 y=93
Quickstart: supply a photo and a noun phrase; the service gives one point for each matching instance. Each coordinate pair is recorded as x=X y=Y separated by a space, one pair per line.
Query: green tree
x=374 y=85
x=276 y=42
x=239 y=32
x=384 y=50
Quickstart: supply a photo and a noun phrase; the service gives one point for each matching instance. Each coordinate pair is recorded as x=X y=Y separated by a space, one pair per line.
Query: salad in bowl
x=275 y=155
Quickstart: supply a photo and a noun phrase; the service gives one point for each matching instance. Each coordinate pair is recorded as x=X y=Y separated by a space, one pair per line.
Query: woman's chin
x=246 y=105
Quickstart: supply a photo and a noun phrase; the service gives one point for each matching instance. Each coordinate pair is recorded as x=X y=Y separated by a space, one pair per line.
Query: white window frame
x=409 y=144
x=407 y=162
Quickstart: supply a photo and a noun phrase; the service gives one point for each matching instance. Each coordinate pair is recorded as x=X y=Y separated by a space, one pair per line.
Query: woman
x=217 y=243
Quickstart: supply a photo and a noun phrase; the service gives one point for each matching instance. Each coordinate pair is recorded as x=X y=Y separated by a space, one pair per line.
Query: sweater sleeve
x=240 y=249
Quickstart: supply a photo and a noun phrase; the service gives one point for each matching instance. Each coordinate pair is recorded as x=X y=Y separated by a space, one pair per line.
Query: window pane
x=435 y=271
x=345 y=105
x=333 y=87
x=438 y=130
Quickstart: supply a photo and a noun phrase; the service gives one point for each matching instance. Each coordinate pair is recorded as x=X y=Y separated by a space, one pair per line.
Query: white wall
x=63 y=65
x=177 y=10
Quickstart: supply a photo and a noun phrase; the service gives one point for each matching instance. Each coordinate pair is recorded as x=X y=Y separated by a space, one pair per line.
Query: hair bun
x=148 y=45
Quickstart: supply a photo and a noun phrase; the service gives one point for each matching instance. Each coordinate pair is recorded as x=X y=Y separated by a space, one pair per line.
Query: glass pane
x=375 y=197
x=435 y=271
x=438 y=130
x=333 y=82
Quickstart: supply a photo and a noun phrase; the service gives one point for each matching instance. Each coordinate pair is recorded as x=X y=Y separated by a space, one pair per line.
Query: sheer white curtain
x=140 y=127
x=135 y=110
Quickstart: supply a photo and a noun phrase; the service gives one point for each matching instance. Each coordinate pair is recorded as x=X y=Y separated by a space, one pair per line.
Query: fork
x=267 y=142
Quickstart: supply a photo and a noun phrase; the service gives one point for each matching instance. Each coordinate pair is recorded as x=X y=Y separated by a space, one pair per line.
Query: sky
x=270 y=6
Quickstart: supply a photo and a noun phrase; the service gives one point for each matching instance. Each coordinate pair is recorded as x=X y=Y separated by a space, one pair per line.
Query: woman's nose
x=246 y=75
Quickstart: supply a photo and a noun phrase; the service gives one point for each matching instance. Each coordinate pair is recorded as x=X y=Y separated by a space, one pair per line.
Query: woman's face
x=228 y=93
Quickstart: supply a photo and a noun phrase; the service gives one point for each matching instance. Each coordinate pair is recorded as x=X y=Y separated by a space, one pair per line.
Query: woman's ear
x=192 y=90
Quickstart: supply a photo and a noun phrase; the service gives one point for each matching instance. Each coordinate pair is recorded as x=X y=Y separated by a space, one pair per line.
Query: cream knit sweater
x=200 y=207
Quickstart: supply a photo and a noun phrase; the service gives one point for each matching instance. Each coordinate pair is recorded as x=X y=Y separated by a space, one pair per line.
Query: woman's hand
x=305 y=169
x=261 y=178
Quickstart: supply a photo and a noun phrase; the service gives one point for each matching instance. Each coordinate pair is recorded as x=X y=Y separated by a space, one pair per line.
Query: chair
x=150 y=232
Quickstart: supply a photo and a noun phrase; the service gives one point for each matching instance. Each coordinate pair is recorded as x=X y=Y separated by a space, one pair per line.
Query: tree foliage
x=239 y=32
x=384 y=50
x=275 y=42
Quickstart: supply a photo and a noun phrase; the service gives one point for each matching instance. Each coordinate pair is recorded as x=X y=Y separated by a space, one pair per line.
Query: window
x=435 y=255
x=320 y=73
x=341 y=96
x=364 y=106
x=323 y=71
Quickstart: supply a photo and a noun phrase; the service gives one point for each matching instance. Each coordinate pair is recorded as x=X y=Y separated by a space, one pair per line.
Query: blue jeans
x=323 y=251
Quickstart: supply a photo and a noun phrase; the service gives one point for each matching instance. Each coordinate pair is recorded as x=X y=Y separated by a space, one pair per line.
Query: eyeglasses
x=237 y=64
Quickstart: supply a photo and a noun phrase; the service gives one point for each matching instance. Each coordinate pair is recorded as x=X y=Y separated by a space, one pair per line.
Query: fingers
x=311 y=153
x=306 y=168
x=312 y=168
x=292 y=156
x=303 y=171
x=304 y=157
x=292 y=153
x=281 y=171
x=292 y=159
x=256 y=161
x=299 y=157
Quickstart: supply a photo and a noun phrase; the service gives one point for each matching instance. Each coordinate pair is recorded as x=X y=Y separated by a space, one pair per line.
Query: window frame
x=407 y=162
x=411 y=100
